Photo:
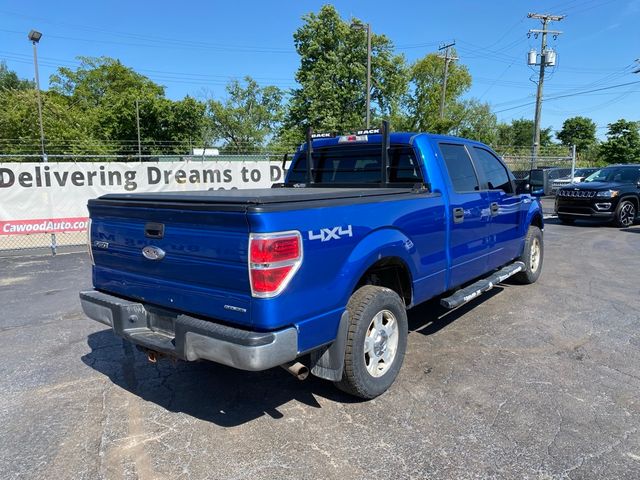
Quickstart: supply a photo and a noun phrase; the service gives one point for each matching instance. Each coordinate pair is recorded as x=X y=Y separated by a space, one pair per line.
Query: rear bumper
x=190 y=338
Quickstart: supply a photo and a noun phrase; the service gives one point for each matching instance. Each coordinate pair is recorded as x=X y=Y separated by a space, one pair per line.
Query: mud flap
x=328 y=362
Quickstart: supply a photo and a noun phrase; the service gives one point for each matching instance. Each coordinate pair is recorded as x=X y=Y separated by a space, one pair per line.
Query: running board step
x=476 y=289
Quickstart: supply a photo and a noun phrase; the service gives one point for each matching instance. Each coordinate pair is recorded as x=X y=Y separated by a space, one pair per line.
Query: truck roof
x=376 y=138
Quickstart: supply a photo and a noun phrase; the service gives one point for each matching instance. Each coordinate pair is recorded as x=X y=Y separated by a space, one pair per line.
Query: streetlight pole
x=35 y=37
x=367 y=27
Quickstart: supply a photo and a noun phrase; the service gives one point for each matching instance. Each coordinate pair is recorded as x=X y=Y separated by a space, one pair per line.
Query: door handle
x=494 y=209
x=458 y=215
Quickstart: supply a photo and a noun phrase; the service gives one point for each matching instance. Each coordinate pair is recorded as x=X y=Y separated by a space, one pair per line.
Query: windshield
x=615 y=175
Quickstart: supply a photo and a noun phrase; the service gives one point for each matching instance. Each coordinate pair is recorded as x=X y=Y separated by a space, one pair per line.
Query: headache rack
x=384 y=164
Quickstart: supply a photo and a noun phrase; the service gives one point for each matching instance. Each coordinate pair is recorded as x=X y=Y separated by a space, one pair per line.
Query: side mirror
x=537 y=182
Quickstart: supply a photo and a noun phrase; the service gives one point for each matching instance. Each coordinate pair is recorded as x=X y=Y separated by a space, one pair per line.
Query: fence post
x=573 y=162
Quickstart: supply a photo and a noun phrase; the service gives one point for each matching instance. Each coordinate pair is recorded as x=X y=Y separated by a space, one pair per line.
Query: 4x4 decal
x=334 y=233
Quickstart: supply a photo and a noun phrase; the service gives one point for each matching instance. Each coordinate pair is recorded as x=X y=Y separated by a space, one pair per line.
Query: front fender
x=534 y=216
x=379 y=244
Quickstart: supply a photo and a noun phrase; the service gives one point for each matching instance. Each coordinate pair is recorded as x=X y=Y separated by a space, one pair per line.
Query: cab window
x=495 y=173
x=463 y=175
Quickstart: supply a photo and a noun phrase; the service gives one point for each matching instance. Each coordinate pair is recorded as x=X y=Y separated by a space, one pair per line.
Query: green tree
x=99 y=78
x=332 y=77
x=520 y=133
x=249 y=115
x=578 y=131
x=66 y=129
x=423 y=102
x=622 y=144
x=107 y=93
x=475 y=120
x=9 y=79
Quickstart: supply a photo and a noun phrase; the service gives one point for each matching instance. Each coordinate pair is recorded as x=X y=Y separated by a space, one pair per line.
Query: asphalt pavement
x=539 y=381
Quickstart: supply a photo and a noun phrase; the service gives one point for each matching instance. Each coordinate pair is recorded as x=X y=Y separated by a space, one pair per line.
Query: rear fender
x=328 y=362
x=379 y=244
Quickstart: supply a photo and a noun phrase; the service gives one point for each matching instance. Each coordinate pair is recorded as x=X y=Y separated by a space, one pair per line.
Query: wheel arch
x=633 y=199
x=392 y=273
x=386 y=257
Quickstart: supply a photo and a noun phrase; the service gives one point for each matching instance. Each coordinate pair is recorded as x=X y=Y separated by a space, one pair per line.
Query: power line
x=557 y=97
x=148 y=40
x=164 y=76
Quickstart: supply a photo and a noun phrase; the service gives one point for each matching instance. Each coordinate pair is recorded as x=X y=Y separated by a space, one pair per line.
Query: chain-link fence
x=520 y=159
x=42 y=243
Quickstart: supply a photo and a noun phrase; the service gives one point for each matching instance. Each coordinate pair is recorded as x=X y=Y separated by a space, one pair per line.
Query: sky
x=195 y=47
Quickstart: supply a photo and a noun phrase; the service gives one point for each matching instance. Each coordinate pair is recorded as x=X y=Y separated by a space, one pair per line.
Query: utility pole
x=447 y=58
x=138 y=125
x=367 y=27
x=544 y=61
x=368 y=75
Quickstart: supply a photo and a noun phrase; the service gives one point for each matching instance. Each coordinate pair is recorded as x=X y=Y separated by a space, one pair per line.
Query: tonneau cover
x=257 y=196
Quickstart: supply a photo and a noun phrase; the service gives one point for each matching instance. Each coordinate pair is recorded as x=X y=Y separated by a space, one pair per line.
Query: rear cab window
x=358 y=164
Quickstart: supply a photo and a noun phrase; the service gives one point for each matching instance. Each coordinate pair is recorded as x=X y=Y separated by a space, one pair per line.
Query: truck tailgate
x=203 y=271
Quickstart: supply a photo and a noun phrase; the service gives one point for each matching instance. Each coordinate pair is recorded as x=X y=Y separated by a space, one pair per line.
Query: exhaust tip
x=297 y=369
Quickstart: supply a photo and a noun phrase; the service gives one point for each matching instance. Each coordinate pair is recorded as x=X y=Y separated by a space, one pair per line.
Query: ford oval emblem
x=153 y=253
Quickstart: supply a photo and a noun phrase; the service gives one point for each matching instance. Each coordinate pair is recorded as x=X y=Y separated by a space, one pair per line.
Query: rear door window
x=461 y=170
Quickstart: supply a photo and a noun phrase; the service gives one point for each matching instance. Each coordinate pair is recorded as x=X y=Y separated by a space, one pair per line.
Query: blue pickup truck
x=320 y=269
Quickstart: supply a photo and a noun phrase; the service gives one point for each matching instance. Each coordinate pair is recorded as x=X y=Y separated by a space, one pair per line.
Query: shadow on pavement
x=208 y=391
x=431 y=317
x=224 y=395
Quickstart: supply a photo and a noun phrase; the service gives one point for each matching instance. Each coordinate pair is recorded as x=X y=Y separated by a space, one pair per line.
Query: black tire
x=566 y=220
x=532 y=267
x=365 y=304
x=625 y=214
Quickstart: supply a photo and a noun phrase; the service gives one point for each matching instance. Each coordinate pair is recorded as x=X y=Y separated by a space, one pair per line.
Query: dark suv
x=612 y=193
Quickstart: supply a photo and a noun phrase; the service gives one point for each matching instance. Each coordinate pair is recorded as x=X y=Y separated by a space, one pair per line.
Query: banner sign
x=52 y=197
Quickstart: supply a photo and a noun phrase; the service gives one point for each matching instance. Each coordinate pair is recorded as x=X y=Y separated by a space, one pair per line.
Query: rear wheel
x=625 y=214
x=531 y=257
x=376 y=341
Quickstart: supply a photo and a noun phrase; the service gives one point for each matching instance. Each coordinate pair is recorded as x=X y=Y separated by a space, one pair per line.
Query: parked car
x=365 y=227
x=611 y=194
x=579 y=175
x=542 y=178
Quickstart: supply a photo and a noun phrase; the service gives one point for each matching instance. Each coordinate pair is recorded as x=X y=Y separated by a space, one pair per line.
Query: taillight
x=274 y=258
